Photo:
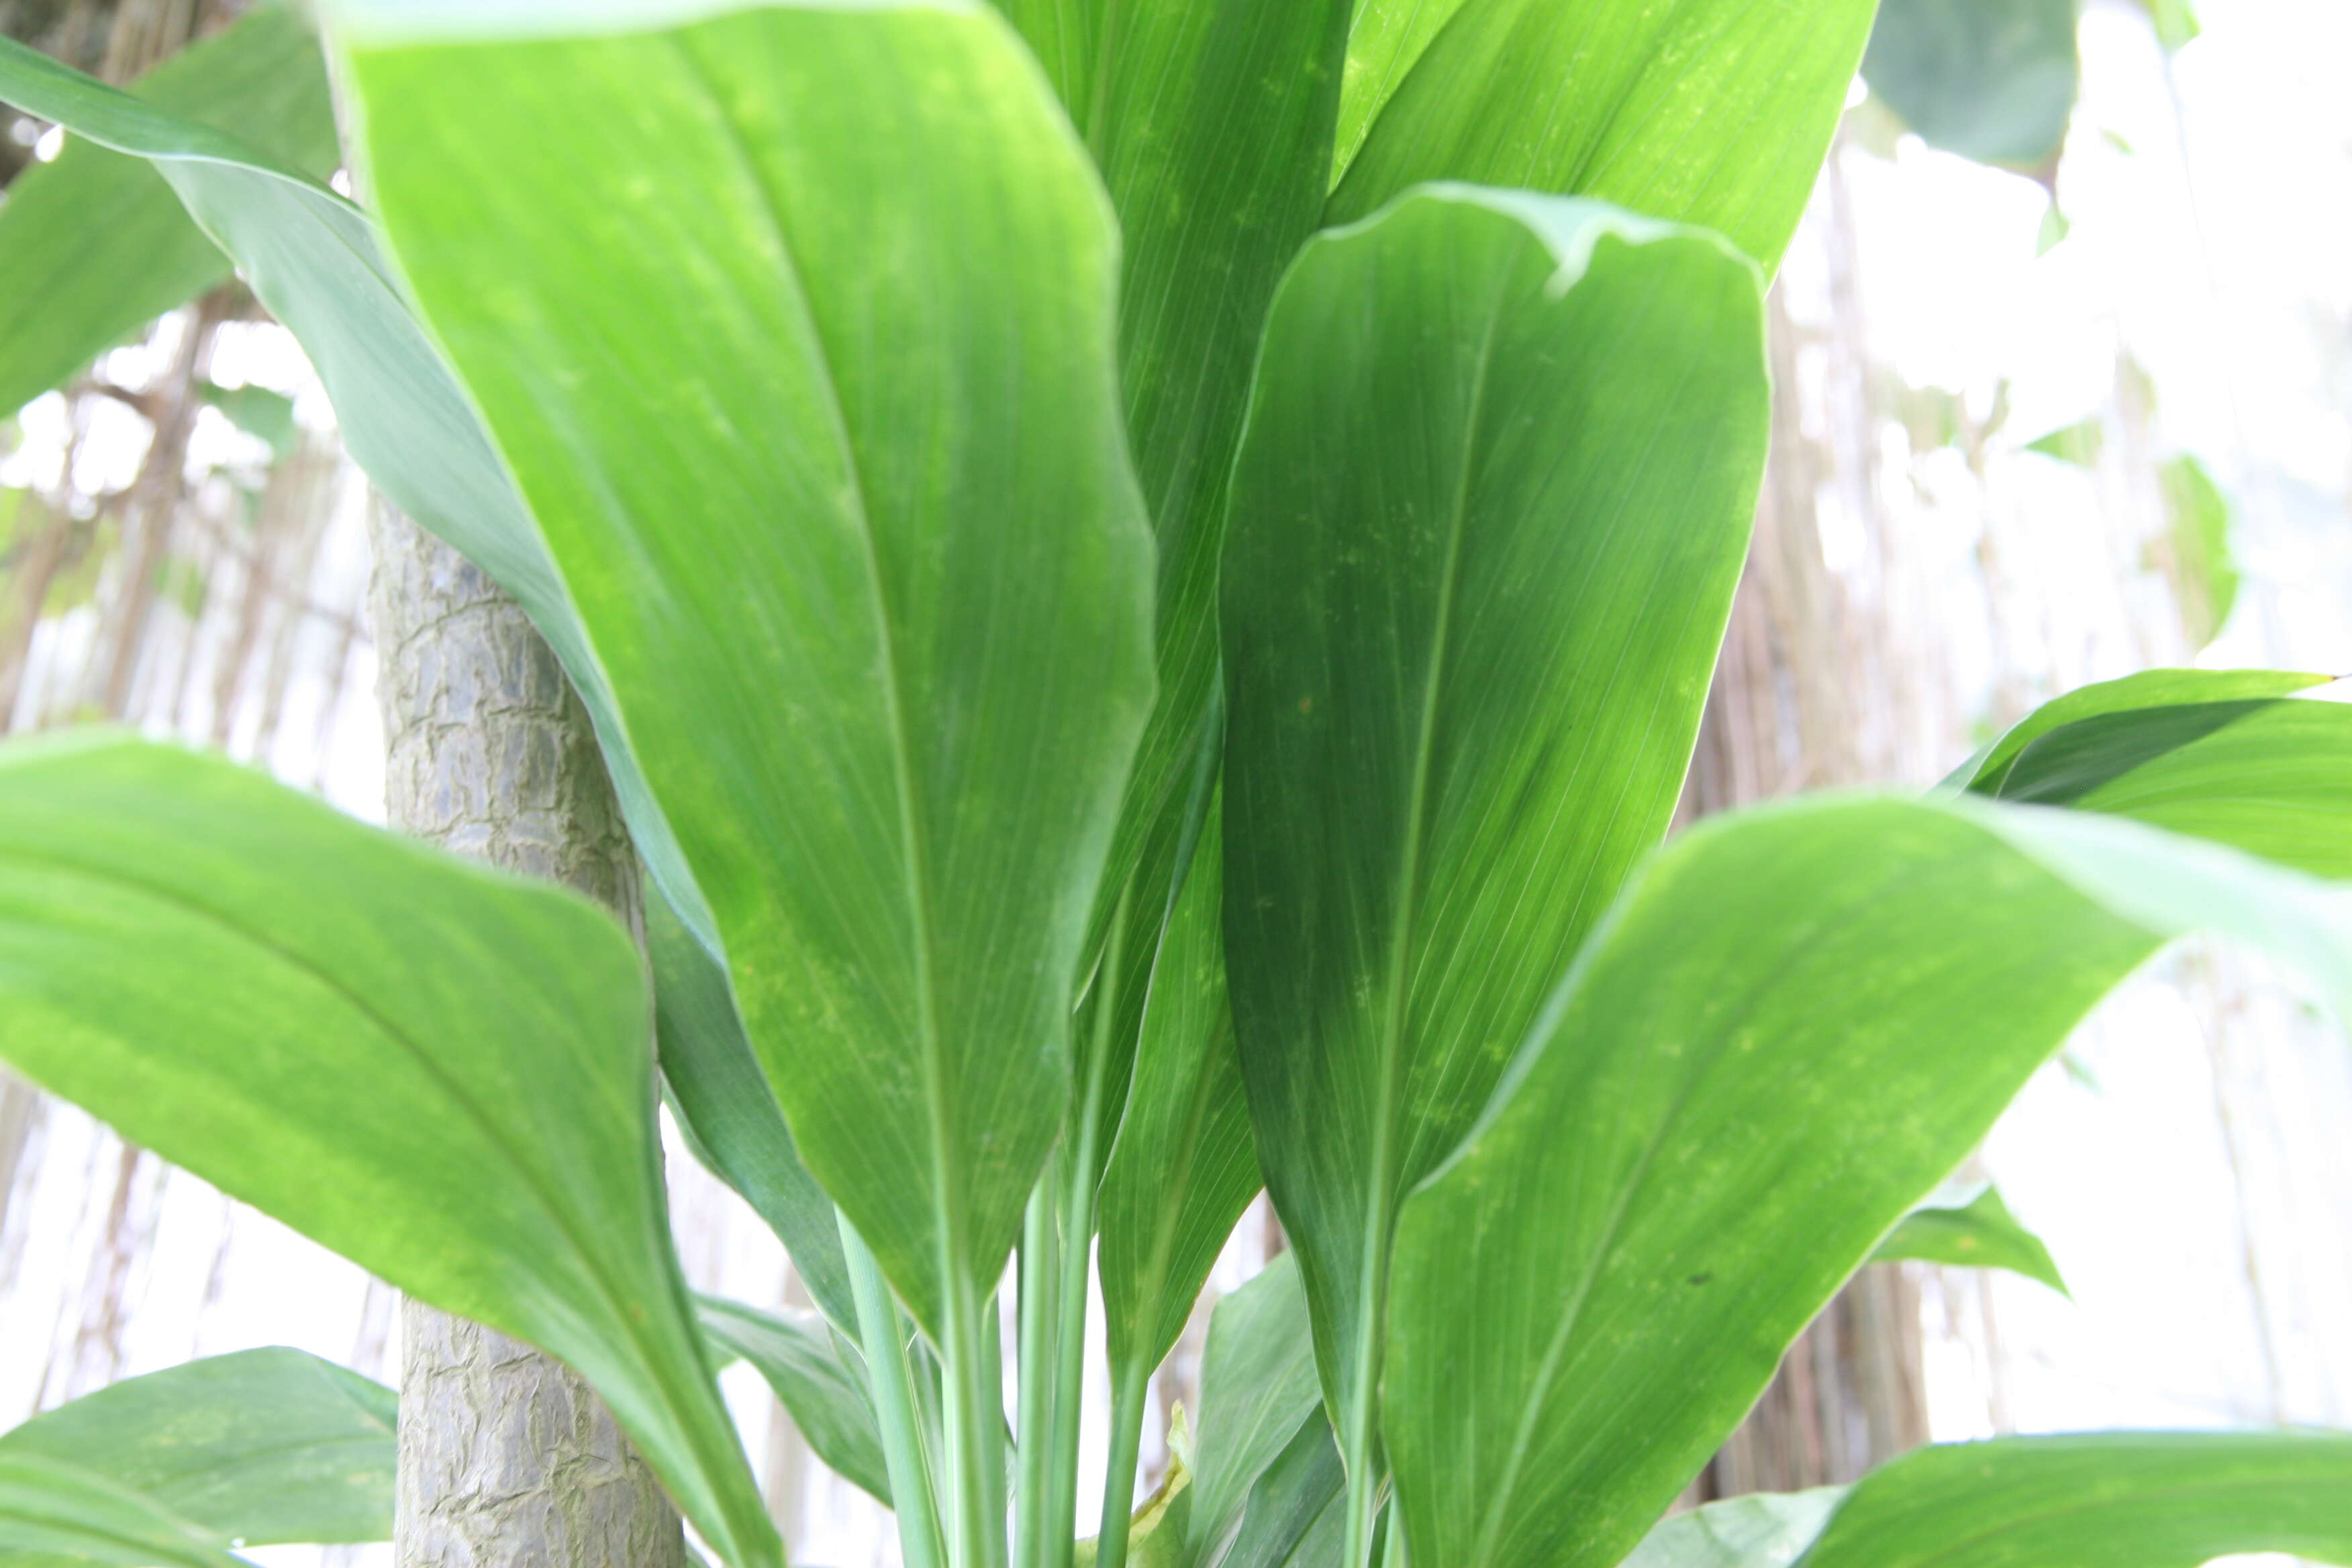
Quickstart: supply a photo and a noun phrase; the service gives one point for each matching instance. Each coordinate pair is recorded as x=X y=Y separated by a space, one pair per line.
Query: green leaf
x=2174 y=21
x=2078 y=444
x=2110 y=1499
x=1796 y=1023
x=876 y=603
x=1487 y=518
x=93 y=246
x=1974 y=1232
x=312 y=258
x=441 y=1073
x=1258 y=1389
x=2149 y=689
x=55 y=1515
x=1292 y=1517
x=260 y=413
x=1761 y=1530
x=729 y=1115
x=1989 y=79
x=2264 y=776
x=1713 y=112
x=259 y=1447
x=2203 y=569
x=819 y=1378
x=1185 y=1166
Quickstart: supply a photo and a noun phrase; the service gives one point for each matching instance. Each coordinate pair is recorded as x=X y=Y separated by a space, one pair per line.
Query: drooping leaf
x=799 y=343
x=1989 y=79
x=55 y=1515
x=441 y=1073
x=1487 y=518
x=259 y=1447
x=1796 y=1023
x=2149 y=689
x=2107 y=1499
x=1258 y=1389
x=2203 y=569
x=313 y=259
x=1975 y=1232
x=1184 y=1167
x=93 y=246
x=1761 y=1530
x=1712 y=112
x=818 y=1378
x=729 y=1115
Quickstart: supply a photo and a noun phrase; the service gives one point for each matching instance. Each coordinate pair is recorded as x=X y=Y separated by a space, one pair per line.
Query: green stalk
x=1036 y=1413
x=1363 y=1484
x=883 y=1336
x=975 y=1422
x=1133 y=1386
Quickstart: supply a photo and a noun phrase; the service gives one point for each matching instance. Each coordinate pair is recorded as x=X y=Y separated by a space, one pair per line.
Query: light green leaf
x=1292 y=1517
x=2149 y=689
x=441 y=1073
x=94 y=246
x=2108 y=1499
x=1258 y=1389
x=1761 y=1530
x=1184 y=1167
x=2078 y=444
x=818 y=1377
x=1786 y=1034
x=312 y=258
x=260 y=413
x=1487 y=518
x=799 y=342
x=1989 y=79
x=2203 y=569
x=2174 y=21
x=1975 y=1232
x=728 y=1113
x=55 y=1515
x=259 y=1447
x=1713 y=112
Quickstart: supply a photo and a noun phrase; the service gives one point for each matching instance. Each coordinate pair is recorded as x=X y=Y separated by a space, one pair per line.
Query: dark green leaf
x=1487 y=518
x=876 y=598
x=819 y=1379
x=94 y=246
x=1292 y=1517
x=2148 y=688
x=2110 y=1499
x=1977 y=1232
x=1762 y=1529
x=1796 y=1023
x=259 y=1447
x=441 y=1073
x=1713 y=112
x=1989 y=79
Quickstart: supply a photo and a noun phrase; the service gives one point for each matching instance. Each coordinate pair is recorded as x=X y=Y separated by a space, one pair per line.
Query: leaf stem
x=975 y=1422
x=883 y=1335
x=1036 y=1412
x=1133 y=1384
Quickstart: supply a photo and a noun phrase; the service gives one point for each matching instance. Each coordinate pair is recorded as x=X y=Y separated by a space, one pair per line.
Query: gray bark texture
x=508 y=1459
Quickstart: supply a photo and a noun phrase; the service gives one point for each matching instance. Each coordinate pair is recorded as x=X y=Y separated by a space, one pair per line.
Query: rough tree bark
x=506 y=1458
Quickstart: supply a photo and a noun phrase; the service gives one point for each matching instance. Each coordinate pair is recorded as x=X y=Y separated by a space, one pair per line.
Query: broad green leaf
x=2149 y=689
x=799 y=343
x=1294 y=1515
x=260 y=413
x=55 y=1515
x=1795 y=1024
x=441 y=1073
x=1185 y=1166
x=313 y=259
x=2107 y=1499
x=1989 y=79
x=259 y=1447
x=817 y=1376
x=94 y=246
x=1761 y=1530
x=1713 y=112
x=2204 y=571
x=1487 y=518
x=1976 y=1232
x=729 y=1115
x=1258 y=1389
x=2264 y=776
x=1211 y=121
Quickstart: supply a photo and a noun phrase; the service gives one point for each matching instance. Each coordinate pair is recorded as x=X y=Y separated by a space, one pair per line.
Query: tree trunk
x=506 y=1456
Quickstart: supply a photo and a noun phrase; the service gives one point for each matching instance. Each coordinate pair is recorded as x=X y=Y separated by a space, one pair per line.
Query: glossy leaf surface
x=1712 y=112
x=1488 y=514
x=94 y=244
x=1780 y=1042
x=800 y=346
x=818 y=1378
x=1976 y=1233
x=1989 y=79
x=2149 y=689
x=259 y=1447
x=441 y=1073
